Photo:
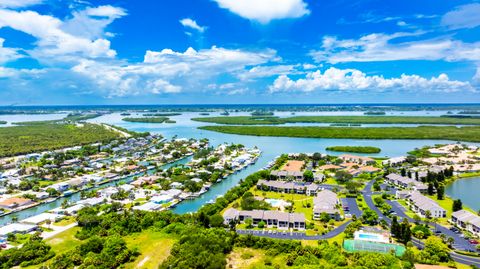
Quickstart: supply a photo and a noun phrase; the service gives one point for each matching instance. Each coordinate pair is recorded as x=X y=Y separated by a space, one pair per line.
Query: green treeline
x=148 y=120
x=356 y=149
x=33 y=138
x=161 y=114
x=3 y=122
x=246 y=120
x=469 y=134
x=72 y=117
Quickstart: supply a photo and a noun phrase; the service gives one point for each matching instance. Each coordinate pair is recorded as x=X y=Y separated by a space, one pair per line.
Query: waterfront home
x=466 y=220
x=14 y=202
x=421 y=204
x=406 y=182
x=60 y=186
x=43 y=217
x=16 y=228
x=356 y=159
x=326 y=202
x=395 y=161
x=149 y=206
x=271 y=218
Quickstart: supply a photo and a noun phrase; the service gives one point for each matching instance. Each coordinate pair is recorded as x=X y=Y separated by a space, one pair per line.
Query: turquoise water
x=271 y=147
x=30 y=117
x=467 y=190
x=275 y=202
x=369 y=236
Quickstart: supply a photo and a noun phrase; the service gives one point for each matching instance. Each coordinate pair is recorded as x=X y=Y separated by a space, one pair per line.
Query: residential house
x=466 y=220
x=14 y=202
x=421 y=204
x=327 y=202
x=278 y=219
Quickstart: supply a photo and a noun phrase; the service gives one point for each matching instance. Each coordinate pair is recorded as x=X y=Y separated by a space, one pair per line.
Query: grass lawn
x=64 y=222
x=64 y=241
x=330 y=181
x=339 y=239
x=153 y=246
x=243 y=258
x=447 y=204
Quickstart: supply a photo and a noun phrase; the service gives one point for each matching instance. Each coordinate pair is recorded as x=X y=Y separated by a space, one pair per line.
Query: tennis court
x=361 y=245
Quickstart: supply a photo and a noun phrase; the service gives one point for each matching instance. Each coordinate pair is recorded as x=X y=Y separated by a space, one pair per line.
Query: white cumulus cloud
x=80 y=37
x=389 y=47
x=18 y=3
x=7 y=54
x=187 y=22
x=466 y=16
x=352 y=79
x=264 y=11
x=168 y=71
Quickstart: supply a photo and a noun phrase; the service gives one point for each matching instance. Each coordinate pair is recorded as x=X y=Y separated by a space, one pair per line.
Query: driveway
x=352 y=205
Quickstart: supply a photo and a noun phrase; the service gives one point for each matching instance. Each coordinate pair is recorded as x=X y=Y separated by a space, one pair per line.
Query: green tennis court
x=360 y=245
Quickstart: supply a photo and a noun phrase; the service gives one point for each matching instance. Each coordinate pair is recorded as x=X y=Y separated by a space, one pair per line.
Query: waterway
x=466 y=189
x=20 y=215
x=271 y=147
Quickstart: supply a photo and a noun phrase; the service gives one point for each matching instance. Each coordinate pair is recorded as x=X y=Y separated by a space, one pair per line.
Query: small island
x=3 y=122
x=356 y=149
x=149 y=120
x=161 y=114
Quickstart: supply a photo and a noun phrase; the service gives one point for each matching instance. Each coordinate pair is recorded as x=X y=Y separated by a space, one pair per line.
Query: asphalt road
x=460 y=243
x=352 y=206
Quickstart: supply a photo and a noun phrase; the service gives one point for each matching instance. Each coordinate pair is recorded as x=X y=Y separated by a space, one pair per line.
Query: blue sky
x=238 y=51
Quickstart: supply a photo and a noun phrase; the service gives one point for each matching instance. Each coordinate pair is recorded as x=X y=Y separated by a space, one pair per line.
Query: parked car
x=3 y=245
x=473 y=241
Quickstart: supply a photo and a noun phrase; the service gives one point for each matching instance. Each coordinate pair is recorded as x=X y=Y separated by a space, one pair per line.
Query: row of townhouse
x=406 y=182
x=421 y=204
x=288 y=187
x=284 y=175
x=466 y=220
x=271 y=218
x=327 y=202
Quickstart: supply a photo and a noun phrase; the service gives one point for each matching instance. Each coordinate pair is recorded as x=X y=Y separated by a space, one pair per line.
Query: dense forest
x=150 y=120
x=246 y=120
x=468 y=134
x=33 y=138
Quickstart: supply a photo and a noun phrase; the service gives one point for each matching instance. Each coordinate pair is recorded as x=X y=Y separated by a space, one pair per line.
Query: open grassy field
x=64 y=241
x=244 y=258
x=153 y=246
x=33 y=138
x=470 y=134
x=247 y=120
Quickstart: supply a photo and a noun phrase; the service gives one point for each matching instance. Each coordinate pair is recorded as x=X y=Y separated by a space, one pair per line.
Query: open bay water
x=271 y=147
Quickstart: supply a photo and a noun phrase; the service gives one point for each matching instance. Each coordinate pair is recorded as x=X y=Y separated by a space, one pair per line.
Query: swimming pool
x=369 y=236
x=277 y=202
x=374 y=237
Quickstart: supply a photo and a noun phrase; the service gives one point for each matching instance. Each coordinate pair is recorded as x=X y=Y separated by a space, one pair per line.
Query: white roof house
x=16 y=228
x=42 y=218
